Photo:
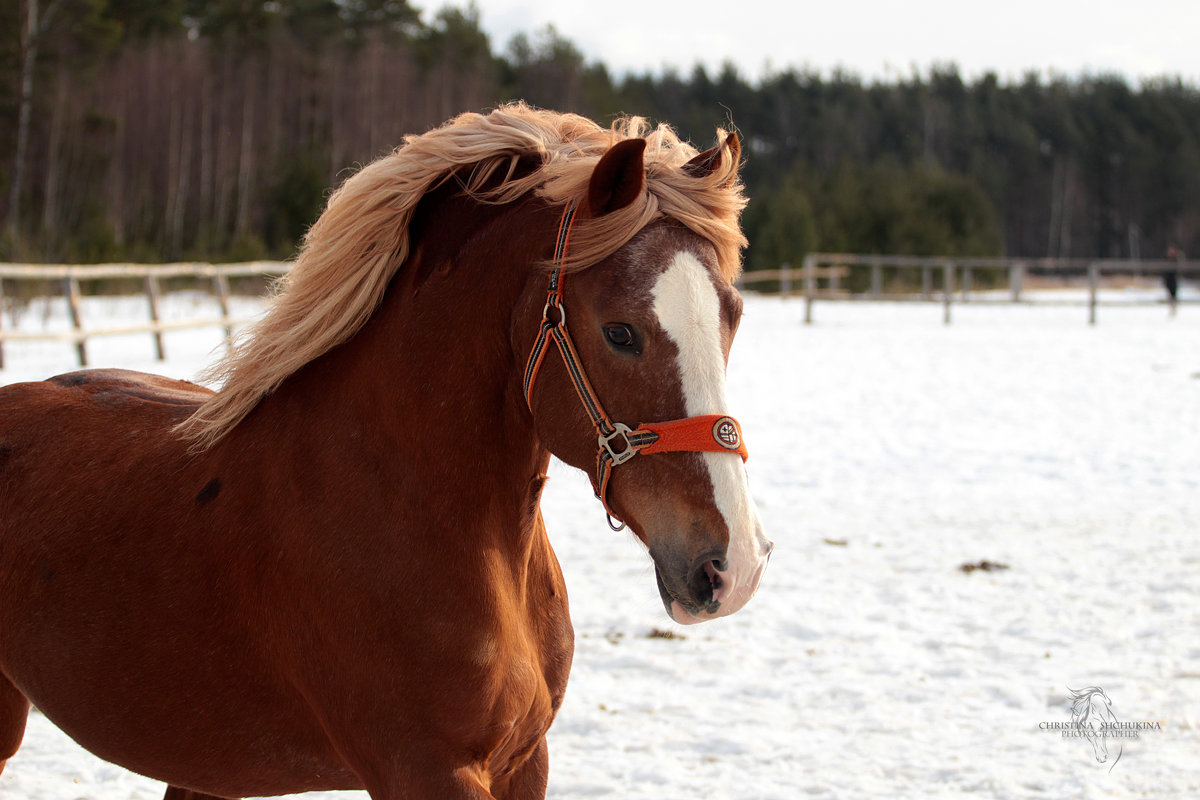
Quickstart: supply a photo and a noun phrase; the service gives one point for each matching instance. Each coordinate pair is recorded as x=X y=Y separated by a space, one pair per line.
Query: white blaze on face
x=689 y=310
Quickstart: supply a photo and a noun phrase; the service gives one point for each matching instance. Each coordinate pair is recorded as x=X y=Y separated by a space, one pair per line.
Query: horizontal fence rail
x=823 y=276
x=73 y=277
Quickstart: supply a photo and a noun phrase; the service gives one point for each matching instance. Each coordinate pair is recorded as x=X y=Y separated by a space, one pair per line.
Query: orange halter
x=617 y=442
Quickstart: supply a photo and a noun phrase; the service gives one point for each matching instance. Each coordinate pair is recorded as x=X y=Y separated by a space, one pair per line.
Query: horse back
x=81 y=421
x=89 y=396
x=118 y=384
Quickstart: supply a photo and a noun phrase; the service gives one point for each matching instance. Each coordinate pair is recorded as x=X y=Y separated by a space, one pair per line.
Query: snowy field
x=887 y=450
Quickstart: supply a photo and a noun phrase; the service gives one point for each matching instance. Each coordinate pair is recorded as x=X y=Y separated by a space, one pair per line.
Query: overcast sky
x=874 y=39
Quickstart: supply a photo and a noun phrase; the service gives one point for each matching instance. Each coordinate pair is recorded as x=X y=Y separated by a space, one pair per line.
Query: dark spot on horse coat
x=46 y=568
x=6 y=451
x=70 y=379
x=209 y=492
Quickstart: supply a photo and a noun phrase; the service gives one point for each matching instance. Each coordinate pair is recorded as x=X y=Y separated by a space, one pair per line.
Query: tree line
x=213 y=129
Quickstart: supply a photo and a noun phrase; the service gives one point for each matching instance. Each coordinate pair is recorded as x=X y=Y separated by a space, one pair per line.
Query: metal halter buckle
x=622 y=455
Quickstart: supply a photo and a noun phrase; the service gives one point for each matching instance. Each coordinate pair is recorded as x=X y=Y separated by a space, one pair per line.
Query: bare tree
x=35 y=26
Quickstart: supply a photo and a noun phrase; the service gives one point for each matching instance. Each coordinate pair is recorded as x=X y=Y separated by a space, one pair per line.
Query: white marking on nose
x=689 y=310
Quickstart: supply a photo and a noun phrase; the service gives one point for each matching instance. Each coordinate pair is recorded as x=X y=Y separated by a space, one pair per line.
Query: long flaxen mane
x=361 y=239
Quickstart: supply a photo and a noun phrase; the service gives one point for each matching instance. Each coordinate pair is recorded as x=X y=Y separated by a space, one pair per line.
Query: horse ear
x=618 y=178
x=703 y=165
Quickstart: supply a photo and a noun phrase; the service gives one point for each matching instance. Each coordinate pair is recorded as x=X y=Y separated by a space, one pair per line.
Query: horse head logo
x=1092 y=716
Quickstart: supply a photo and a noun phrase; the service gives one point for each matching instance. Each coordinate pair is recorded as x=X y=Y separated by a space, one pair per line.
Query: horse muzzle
x=709 y=586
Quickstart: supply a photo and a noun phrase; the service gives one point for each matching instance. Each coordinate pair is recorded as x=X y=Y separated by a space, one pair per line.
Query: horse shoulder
x=549 y=631
x=519 y=656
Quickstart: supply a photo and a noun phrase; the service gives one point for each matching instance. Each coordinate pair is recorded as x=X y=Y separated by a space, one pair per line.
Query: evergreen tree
x=209 y=126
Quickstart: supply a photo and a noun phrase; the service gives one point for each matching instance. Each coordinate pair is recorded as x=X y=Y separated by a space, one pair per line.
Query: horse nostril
x=716 y=582
x=707 y=584
x=713 y=570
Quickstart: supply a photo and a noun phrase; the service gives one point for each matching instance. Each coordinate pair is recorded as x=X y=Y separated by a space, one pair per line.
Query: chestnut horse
x=333 y=572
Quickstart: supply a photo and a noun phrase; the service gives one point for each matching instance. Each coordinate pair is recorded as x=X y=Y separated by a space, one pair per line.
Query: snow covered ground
x=887 y=450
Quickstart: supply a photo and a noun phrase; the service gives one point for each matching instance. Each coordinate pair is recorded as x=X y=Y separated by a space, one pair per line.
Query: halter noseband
x=616 y=441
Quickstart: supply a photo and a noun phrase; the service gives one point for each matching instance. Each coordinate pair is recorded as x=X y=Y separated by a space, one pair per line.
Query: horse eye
x=622 y=337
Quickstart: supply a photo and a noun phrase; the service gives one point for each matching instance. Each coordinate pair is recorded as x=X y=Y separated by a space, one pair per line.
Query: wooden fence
x=822 y=275
x=810 y=274
x=72 y=277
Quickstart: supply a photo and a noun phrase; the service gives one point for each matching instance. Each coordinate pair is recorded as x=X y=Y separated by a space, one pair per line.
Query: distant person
x=1171 y=276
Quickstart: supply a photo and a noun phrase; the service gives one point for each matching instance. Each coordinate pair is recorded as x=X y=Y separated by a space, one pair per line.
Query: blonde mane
x=361 y=240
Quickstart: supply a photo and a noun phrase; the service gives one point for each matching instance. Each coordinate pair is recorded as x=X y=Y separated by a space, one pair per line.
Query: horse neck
x=426 y=399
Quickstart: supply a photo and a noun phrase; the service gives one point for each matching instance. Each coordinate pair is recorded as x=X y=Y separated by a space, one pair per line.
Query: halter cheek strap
x=616 y=441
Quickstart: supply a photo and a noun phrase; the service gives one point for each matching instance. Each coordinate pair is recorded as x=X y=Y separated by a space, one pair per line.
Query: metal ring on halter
x=560 y=308
x=618 y=456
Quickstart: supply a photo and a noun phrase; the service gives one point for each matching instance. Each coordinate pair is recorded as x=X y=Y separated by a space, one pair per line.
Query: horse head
x=1091 y=711
x=644 y=335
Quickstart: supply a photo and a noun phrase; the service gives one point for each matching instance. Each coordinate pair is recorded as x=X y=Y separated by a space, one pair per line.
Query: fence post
x=72 y=292
x=926 y=283
x=966 y=285
x=785 y=280
x=151 y=285
x=1016 y=279
x=810 y=286
x=947 y=290
x=1093 y=287
x=221 y=284
x=876 y=279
